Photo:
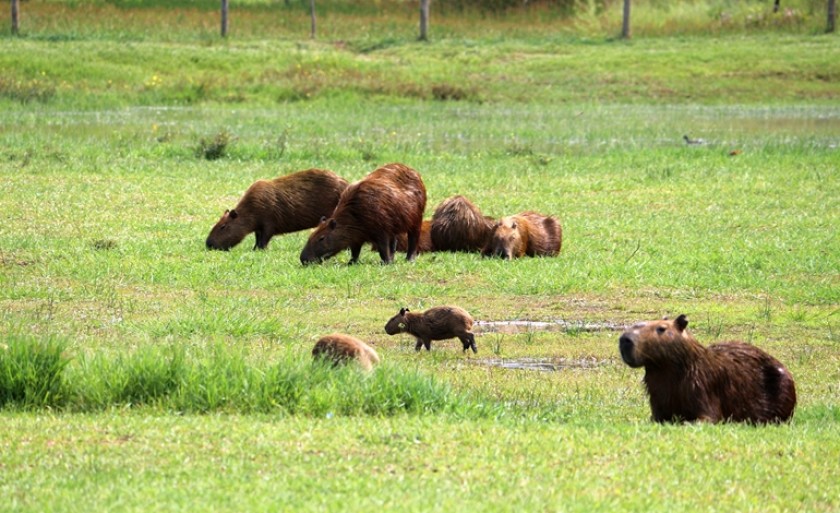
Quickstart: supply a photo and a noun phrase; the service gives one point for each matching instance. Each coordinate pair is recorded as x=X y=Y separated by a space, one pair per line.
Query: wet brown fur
x=438 y=323
x=528 y=233
x=458 y=225
x=342 y=349
x=376 y=209
x=271 y=207
x=730 y=381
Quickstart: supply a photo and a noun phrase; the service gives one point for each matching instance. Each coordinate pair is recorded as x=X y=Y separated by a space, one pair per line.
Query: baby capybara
x=271 y=207
x=458 y=225
x=528 y=233
x=730 y=381
x=438 y=323
x=376 y=209
x=341 y=349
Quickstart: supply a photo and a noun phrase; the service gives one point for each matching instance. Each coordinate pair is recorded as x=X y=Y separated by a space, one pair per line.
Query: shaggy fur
x=341 y=349
x=271 y=207
x=376 y=209
x=686 y=381
x=438 y=323
x=458 y=225
x=528 y=233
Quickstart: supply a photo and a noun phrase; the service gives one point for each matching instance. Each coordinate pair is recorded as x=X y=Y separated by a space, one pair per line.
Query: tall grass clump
x=216 y=378
x=31 y=372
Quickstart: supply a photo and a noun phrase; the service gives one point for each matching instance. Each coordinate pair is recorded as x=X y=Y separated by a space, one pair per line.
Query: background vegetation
x=139 y=371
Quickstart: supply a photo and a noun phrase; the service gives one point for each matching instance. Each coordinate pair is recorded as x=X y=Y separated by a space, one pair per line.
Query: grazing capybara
x=271 y=207
x=341 y=349
x=730 y=381
x=528 y=233
x=458 y=225
x=376 y=209
x=438 y=323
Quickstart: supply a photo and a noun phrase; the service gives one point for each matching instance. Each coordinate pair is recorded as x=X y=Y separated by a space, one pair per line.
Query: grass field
x=139 y=371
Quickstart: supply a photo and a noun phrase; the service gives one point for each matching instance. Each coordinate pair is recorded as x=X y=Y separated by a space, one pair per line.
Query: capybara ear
x=513 y=225
x=402 y=311
x=233 y=214
x=681 y=322
x=332 y=224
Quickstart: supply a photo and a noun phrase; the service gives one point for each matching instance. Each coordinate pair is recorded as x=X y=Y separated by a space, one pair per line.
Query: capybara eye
x=660 y=330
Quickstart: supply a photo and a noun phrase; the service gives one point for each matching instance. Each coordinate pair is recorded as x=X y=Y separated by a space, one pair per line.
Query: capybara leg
x=355 y=251
x=428 y=344
x=393 y=245
x=419 y=345
x=262 y=239
x=468 y=340
x=384 y=244
x=411 y=251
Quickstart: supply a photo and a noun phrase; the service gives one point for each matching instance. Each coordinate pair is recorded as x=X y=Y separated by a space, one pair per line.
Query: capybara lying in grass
x=438 y=323
x=458 y=225
x=341 y=349
x=730 y=381
x=528 y=233
x=271 y=207
x=376 y=209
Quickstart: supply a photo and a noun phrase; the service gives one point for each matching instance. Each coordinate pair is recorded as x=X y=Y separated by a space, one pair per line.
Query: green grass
x=139 y=371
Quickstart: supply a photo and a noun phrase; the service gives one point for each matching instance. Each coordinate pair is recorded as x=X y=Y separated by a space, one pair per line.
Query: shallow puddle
x=540 y=364
x=560 y=325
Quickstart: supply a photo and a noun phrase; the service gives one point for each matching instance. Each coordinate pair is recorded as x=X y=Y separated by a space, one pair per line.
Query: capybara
x=271 y=207
x=458 y=225
x=730 y=381
x=438 y=323
x=341 y=349
x=376 y=209
x=528 y=233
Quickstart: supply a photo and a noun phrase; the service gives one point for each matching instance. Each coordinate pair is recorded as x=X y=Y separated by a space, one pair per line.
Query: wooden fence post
x=625 y=24
x=224 y=18
x=15 y=19
x=832 y=16
x=424 y=20
x=312 y=17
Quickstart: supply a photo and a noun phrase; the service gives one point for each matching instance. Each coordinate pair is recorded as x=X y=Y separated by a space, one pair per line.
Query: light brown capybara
x=528 y=233
x=730 y=381
x=341 y=349
x=438 y=323
x=458 y=225
x=376 y=209
x=282 y=205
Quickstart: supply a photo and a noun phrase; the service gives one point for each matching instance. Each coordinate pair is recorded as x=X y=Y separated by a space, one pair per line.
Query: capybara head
x=397 y=323
x=647 y=343
x=229 y=231
x=507 y=241
x=324 y=242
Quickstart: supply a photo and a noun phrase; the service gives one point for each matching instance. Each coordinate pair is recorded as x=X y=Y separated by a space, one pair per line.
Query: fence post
x=424 y=20
x=832 y=16
x=224 y=18
x=15 y=19
x=625 y=24
x=312 y=17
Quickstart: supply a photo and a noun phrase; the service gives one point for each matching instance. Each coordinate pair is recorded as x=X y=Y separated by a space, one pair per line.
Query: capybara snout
x=625 y=347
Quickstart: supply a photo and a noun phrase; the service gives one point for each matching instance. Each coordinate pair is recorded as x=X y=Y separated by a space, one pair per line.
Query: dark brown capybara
x=341 y=349
x=528 y=233
x=283 y=205
x=458 y=225
x=438 y=323
x=730 y=381
x=376 y=209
